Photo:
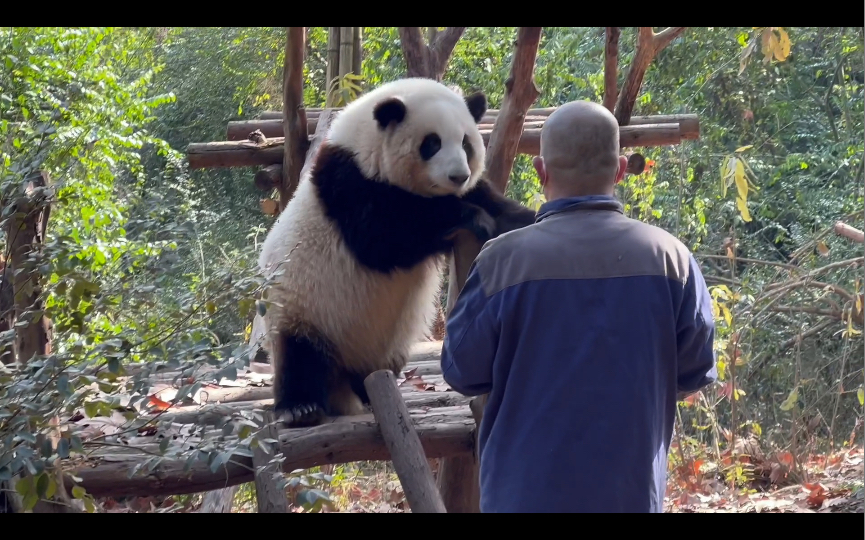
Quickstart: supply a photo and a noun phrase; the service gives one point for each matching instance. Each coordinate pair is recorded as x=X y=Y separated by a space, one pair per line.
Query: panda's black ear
x=477 y=104
x=391 y=110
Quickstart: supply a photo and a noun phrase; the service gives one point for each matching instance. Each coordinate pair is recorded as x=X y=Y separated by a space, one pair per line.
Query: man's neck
x=554 y=195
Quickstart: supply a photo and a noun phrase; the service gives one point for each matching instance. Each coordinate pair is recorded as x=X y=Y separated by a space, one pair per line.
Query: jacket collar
x=586 y=202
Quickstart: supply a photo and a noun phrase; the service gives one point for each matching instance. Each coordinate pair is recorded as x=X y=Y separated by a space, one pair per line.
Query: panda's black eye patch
x=430 y=146
x=467 y=147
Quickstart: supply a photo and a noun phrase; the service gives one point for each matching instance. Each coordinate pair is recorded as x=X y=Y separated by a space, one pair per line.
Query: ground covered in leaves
x=821 y=484
x=825 y=484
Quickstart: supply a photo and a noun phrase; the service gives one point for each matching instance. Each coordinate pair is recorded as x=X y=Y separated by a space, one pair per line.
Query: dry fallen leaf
x=158 y=404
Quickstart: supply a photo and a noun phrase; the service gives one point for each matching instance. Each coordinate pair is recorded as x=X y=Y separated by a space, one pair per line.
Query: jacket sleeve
x=471 y=339
x=696 y=335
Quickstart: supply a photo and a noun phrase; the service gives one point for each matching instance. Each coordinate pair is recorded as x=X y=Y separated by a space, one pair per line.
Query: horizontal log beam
x=277 y=115
x=240 y=130
x=212 y=414
x=344 y=440
x=249 y=154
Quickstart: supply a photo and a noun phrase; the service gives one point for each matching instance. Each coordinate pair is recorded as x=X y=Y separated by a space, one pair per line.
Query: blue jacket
x=583 y=328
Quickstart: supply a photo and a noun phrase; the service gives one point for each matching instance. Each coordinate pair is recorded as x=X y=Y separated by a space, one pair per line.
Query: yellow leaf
x=738 y=393
x=728 y=317
x=861 y=395
x=790 y=402
x=743 y=148
x=783 y=45
x=757 y=429
x=823 y=249
x=741 y=181
x=859 y=303
x=767 y=50
x=722 y=369
x=743 y=209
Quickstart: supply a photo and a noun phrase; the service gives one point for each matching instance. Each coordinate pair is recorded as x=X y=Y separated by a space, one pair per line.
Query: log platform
x=441 y=418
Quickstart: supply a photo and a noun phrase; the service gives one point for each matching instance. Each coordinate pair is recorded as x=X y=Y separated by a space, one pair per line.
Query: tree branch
x=441 y=47
x=850 y=233
x=611 y=66
x=649 y=45
x=429 y=61
x=520 y=92
x=414 y=51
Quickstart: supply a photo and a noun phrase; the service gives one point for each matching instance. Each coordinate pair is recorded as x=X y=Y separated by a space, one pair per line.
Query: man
x=582 y=328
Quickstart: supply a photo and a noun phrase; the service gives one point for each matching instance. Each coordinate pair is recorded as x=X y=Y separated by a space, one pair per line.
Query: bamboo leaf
x=743 y=209
x=741 y=181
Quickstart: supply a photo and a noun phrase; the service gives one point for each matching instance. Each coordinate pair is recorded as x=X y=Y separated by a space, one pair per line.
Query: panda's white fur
x=359 y=318
x=433 y=107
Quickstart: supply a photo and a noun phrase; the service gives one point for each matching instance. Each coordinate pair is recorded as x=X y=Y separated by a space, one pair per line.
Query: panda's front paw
x=483 y=226
x=300 y=415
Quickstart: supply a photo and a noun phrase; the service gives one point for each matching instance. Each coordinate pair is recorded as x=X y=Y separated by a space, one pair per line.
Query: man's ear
x=538 y=163
x=623 y=165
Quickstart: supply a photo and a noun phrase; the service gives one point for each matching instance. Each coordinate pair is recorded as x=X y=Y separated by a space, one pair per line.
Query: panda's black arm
x=507 y=213
x=386 y=227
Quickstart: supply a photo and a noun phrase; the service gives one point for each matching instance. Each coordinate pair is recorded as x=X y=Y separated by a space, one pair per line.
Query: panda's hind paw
x=300 y=415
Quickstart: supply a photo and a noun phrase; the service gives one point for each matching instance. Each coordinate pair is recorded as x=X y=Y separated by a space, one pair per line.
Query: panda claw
x=301 y=415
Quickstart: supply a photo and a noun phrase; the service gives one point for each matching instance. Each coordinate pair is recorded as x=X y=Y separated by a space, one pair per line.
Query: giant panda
x=354 y=259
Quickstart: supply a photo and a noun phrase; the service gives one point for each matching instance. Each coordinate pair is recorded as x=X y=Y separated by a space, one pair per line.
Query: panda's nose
x=459 y=179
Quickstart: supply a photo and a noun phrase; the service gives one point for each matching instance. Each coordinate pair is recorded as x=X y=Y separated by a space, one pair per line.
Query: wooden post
x=294 y=115
x=332 y=69
x=346 y=50
x=401 y=439
x=25 y=234
x=271 y=499
x=357 y=50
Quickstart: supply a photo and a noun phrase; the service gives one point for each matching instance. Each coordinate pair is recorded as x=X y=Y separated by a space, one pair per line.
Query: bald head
x=580 y=151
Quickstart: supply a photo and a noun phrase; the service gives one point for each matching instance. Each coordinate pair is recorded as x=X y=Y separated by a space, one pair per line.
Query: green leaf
x=791 y=400
x=861 y=395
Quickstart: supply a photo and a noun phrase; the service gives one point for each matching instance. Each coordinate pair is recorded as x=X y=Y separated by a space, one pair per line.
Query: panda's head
x=417 y=134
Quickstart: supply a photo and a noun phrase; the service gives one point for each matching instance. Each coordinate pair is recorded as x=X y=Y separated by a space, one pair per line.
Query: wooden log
x=257 y=393
x=294 y=119
x=212 y=414
x=270 y=497
x=357 y=438
x=848 y=232
x=239 y=130
x=247 y=154
x=649 y=44
x=406 y=451
x=314 y=112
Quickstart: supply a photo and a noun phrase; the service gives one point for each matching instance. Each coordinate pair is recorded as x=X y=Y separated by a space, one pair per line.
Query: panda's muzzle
x=459 y=179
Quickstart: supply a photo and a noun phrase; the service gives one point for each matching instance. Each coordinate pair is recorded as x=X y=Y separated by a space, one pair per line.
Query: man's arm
x=696 y=335
x=471 y=338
